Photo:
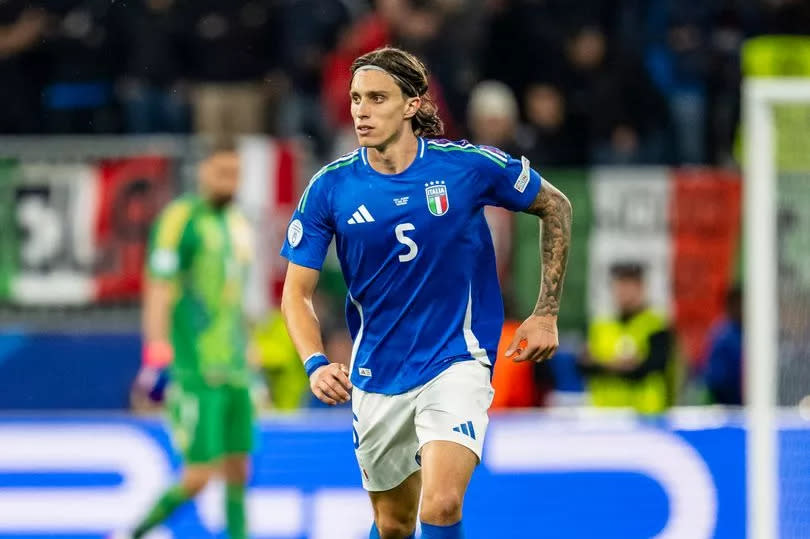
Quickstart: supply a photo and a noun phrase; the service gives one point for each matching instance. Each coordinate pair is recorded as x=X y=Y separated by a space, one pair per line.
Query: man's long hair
x=411 y=76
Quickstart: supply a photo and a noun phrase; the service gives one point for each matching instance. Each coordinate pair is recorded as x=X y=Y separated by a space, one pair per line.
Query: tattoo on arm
x=554 y=210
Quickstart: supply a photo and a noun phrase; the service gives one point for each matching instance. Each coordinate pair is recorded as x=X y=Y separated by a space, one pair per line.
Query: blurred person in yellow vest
x=287 y=381
x=629 y=360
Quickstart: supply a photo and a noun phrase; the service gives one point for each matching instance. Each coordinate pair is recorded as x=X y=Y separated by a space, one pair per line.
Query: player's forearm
x=156 y=311
x=302 y=325
x=555 y=212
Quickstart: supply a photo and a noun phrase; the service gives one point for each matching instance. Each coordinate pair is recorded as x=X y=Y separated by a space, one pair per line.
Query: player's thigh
x=453 y=407
x=197 y=429
x=397 y=508
x=385 y=441
x=238 y=415
x=446 y=471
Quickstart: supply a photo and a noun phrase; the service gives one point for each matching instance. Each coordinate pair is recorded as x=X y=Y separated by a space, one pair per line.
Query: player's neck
x=395 y=156
x=214 y=202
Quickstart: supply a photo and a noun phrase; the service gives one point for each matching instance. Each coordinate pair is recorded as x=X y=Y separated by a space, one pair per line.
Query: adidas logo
x=466 y=428
x=361 y=215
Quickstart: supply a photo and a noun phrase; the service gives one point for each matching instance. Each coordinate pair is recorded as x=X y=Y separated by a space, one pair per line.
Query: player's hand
x=151 y=378
x=535 y=340
x=331 y=384
x=624 y=364
x=147 y=381
x=149 y=390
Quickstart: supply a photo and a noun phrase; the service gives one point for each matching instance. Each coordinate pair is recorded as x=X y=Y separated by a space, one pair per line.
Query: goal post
x=761 y=97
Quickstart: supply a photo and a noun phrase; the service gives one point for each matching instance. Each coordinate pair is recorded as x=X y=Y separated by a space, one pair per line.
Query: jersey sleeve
x=507 y=182
x=167 y=243
x=311 y=227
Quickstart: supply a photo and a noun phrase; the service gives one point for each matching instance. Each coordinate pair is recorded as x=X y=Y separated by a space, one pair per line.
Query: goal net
x=777 y=303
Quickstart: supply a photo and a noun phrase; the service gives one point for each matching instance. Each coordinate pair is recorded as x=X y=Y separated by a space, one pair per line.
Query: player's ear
x=412 y=105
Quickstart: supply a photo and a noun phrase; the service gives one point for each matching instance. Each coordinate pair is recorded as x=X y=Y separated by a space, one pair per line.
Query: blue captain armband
x=315 y=362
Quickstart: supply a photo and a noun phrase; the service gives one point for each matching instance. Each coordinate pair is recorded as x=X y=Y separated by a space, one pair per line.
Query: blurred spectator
x=552 y=137
x=724 y=363
x=317 y=26
x=640 y=82
x=364 y=35
x=516 y=31
x=630 y=16
x=390 y=23
x=20 y=30
x=729 y=29
x=786 y=16
x=287 y=381
x=415 y=24
x=492 y=117
x=446 y=35
x=630 y=360
x=677 y=57
x=624 y=114
x=153 y=97
x=82 y=51
x=234 y=61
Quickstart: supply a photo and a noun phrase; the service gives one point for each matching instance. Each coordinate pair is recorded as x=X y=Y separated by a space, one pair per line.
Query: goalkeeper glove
x=152 y=378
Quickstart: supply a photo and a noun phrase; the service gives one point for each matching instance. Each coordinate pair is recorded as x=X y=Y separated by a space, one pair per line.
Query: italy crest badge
x=437 y=201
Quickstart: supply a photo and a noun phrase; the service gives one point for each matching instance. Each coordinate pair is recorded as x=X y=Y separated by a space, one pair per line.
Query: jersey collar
x=420 y=153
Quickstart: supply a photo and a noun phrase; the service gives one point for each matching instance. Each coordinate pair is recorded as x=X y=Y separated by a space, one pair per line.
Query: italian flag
x=267 y=195
x=682 y=224
x=437 y=204
x=74 y=233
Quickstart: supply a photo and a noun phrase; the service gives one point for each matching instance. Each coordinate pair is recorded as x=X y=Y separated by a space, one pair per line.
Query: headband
x=401 y=82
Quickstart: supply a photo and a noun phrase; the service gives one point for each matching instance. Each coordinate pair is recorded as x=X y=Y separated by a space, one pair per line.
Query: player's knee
x=442 y=508
x=392 y=527
x=195 y=478
x=236 y=470
x=237 y=476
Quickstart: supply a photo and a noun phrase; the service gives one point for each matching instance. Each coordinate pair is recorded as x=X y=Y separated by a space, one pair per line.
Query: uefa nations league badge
x=437 y=201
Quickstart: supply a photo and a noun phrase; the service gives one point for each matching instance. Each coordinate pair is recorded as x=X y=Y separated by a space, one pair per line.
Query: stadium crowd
x=599 y=81
x=565 y=84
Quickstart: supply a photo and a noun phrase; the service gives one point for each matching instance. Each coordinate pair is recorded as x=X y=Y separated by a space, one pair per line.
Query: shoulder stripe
x=494 y=154
x=347 y=159
x=451 y=147
x=443 y=142
x=171 y=223
x=340 y=161
x=463 y=144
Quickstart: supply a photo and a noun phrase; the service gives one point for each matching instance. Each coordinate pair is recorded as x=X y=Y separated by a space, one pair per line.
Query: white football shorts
x=390 y=430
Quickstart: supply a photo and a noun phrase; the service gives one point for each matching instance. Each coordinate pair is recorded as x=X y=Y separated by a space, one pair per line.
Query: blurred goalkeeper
x=193 y=325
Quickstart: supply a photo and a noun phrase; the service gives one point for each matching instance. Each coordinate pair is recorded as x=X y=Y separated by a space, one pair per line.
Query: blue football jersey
x=416 y=254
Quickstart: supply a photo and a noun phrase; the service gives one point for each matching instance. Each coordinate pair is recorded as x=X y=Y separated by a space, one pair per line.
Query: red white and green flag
x=437 y=201
x=77 y=231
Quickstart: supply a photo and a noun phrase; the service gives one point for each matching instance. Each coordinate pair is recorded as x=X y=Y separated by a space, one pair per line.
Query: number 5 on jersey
x=405 y=240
